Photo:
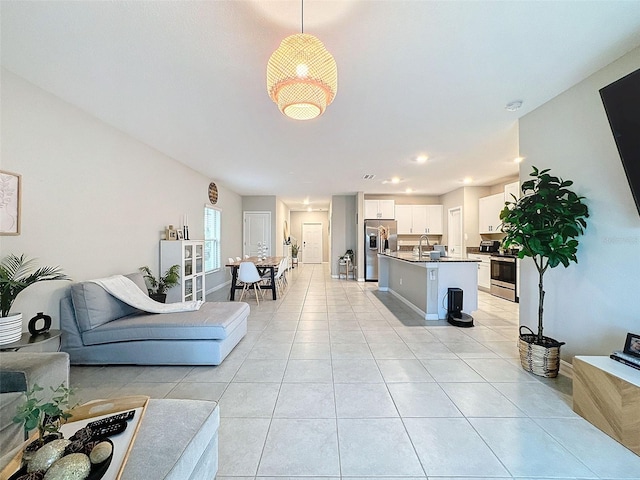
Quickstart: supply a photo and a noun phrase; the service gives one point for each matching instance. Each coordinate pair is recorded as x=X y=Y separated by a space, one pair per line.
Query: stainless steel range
x=504 y=276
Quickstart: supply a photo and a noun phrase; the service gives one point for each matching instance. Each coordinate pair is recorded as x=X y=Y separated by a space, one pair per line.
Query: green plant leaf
x=545 y=222
x=17 y=273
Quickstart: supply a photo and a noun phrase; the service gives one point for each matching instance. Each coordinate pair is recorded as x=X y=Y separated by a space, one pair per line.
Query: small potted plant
x=294 y=250
x=47 y=417
x=158 y=286
x=544 y=223
x=16 y=274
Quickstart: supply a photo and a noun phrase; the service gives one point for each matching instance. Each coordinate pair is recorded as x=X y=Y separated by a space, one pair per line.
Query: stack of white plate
x=10 y=329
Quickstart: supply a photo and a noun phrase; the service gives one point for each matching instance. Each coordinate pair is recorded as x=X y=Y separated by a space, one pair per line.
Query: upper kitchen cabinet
x=511 y=189
x=404 y=217
x=374 y=209
x=434 y=220
x=489 y=209
x=419 y=219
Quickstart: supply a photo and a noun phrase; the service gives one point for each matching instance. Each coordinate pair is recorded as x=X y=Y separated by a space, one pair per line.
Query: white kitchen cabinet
x=419 y=216
x=387 y=208
x=419 y=219
x=511 y=190
x=489 y=209
x=374 y=209
x=404 y=219
x=484 y=270
x=434 y=219
x=189 y=254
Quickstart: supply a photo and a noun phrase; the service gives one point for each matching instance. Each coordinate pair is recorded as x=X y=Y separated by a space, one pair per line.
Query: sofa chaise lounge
x=100 y=329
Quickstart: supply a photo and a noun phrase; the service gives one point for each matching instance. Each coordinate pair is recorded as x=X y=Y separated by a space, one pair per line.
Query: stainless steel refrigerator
x=373 y=244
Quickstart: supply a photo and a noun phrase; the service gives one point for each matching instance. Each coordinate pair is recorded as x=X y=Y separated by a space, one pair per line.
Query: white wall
x=451 y=200
x=298 y=218
x=95 y=201
x=472 y=196
x=343 y=228
x=282 y=215
x=263 y=203
x=593 y=304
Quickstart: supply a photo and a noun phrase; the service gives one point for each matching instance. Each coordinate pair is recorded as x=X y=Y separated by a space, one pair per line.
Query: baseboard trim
x=218 y=287
x=409 y=304
x=566 y=369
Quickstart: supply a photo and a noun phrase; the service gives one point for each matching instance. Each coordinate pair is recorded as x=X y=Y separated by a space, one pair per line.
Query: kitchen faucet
x=422 y=237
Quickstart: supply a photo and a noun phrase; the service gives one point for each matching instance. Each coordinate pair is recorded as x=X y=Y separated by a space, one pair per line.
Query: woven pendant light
x=302 y=76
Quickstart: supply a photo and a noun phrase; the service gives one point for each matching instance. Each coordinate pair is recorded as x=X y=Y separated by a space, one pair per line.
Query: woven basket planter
x=542 y=360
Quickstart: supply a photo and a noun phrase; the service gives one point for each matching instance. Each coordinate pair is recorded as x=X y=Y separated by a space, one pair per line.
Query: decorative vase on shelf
x=10 y=328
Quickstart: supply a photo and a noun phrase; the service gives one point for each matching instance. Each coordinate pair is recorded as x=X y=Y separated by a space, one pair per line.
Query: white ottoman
x=177 y=440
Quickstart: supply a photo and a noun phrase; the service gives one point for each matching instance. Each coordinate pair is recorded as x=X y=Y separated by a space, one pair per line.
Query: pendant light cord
x=302 y=15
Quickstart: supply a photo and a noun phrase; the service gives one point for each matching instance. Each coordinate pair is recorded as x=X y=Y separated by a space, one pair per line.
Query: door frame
x=244 y=229
x=450 y=228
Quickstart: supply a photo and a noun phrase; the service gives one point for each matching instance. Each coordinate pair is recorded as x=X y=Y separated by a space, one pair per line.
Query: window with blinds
x=211 y=238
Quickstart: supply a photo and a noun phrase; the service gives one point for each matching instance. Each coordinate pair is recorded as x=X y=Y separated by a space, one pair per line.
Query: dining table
x=264 y=265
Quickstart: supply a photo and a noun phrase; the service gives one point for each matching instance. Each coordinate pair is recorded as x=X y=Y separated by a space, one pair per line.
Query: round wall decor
x=213 y=193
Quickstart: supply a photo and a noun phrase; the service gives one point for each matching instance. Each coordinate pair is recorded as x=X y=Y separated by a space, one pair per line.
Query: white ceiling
x=414 y=77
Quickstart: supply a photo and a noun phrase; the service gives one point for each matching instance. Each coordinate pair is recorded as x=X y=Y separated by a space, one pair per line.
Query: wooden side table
x=607 y=394
x=44 y=342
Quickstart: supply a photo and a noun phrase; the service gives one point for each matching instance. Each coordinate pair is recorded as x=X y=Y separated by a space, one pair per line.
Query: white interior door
x=257 y=232
x=312 y=242
x=454 y=237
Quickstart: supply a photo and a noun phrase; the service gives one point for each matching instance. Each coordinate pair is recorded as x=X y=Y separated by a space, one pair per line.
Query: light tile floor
x=336 y=379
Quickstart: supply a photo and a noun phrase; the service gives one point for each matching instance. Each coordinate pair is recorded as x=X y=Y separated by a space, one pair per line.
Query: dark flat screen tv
x=621 y=101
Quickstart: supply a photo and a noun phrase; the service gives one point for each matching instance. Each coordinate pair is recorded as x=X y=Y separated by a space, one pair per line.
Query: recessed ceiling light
x=518 y=159
x=467 y=180
x=409 y=190
x=421 y=159
x=395 y=180
x=308 y=209
x=306 y=201
x=513 y=106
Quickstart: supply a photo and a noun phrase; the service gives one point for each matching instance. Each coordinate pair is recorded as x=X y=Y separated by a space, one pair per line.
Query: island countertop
x=409 y=257
x=423 y=284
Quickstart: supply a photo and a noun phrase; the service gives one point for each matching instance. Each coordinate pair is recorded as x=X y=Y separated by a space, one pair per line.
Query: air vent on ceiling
x=369 y=176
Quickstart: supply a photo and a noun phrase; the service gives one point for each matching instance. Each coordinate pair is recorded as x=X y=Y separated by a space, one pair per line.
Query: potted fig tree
x=16 y=274
x=158 y=286
x=544 y=224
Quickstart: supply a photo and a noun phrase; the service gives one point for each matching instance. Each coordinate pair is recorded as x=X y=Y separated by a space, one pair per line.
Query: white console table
x=607 y=394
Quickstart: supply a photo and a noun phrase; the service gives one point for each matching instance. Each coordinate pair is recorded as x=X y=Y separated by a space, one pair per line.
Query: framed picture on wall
x=10 y=191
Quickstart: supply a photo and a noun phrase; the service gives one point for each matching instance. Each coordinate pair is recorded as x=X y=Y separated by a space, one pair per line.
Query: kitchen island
x=422 y=283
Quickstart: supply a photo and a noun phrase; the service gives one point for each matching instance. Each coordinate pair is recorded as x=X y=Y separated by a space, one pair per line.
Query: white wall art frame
x=10 y=191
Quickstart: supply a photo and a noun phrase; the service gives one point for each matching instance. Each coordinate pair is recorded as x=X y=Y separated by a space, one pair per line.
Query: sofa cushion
x=214 y=321
x=93 y=306
x=193 y=425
